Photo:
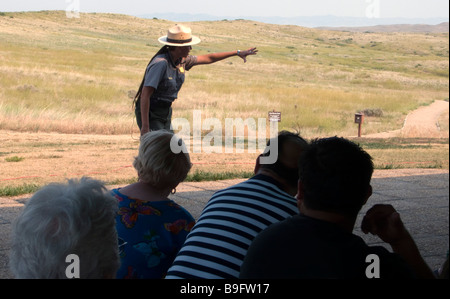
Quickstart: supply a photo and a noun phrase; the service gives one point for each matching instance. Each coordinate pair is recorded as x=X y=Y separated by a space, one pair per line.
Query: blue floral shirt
x=150 y=236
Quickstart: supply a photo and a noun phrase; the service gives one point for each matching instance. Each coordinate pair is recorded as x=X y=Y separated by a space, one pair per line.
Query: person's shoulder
x=160 y=60
x=270 y=184
x=116 y=192
x=281 y=228
x=178 y=208
x=249 y=185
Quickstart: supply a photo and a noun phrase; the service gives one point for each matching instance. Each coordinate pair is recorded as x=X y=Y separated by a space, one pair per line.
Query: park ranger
x=165 y=76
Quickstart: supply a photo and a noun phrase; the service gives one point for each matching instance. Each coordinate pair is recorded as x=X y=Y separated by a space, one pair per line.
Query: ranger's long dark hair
x=163 y=50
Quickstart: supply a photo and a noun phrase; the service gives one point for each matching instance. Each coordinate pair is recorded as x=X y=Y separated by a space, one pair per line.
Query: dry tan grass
x=83 y=69
x=74 y=76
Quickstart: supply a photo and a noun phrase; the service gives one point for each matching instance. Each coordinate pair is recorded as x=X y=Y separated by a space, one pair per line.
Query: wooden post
x=359 y=119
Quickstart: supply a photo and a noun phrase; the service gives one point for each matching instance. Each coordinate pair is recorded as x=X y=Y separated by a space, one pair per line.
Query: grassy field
x=75 y=77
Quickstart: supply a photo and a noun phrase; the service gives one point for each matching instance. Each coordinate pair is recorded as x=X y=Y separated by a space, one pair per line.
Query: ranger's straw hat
x=179 y=36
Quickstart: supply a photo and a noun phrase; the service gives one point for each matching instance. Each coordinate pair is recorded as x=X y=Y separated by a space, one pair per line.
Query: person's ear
x=257 y=165
x=300 y=195
x=369 y=194
x=300 y=190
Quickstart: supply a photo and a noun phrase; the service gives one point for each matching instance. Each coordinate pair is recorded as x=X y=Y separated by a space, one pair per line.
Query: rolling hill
x=407 y=28
x=75 y=75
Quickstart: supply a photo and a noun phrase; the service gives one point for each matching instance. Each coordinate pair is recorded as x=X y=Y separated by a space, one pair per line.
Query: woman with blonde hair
x=151 y=227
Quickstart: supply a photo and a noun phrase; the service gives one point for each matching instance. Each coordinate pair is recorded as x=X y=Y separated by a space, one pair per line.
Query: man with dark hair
x=218 y=243
x=335 y=176
x=334 y=183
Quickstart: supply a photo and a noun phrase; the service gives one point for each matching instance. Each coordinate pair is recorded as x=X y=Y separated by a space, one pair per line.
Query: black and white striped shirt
x=218 y=243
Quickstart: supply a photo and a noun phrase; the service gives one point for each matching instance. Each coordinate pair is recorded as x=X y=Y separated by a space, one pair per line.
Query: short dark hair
x=289 y=172
x=335 y=173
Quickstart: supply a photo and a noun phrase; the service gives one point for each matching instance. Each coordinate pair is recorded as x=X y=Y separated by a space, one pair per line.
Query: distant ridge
x=419 y=28
x=305 y=21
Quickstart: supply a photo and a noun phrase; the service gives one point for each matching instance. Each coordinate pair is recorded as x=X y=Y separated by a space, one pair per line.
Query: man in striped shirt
x=218 y=243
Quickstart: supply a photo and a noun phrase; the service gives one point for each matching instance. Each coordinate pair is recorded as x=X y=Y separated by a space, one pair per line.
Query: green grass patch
x=385 y=145
x=19 y=190
x=14 y=159
x=400 y=143
x=419 y=165
x=202 y=176
x=197 y=176
x=402 y=153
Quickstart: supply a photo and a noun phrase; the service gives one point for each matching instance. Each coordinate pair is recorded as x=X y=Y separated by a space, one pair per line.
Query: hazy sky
x=237 y=8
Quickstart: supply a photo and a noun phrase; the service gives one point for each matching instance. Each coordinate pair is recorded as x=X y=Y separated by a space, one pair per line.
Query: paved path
x=421 y=197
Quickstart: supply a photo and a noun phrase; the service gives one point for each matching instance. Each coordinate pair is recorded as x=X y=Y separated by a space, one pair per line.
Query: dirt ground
x=422 y=122
x=40 y=158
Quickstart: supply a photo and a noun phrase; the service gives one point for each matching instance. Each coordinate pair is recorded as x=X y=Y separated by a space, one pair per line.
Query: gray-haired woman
x=66 y=230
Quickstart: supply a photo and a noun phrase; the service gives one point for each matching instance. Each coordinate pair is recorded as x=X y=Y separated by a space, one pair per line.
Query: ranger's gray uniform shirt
x=167 y=77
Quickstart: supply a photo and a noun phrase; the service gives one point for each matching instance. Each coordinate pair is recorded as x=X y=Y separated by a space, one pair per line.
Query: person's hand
x=244 y=54
x=385 y=222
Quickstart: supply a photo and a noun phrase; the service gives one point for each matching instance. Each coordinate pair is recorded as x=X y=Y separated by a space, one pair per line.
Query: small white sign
x=275 y=116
